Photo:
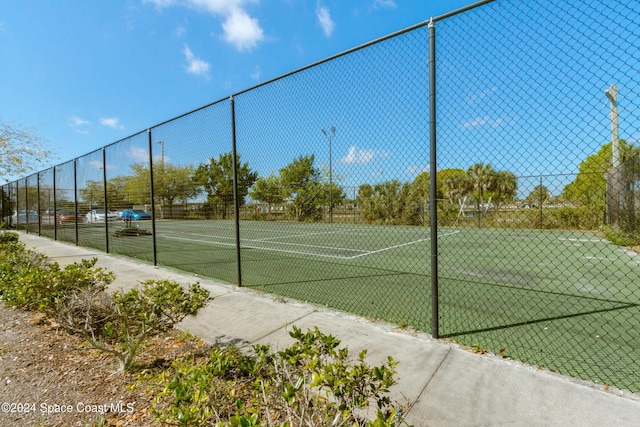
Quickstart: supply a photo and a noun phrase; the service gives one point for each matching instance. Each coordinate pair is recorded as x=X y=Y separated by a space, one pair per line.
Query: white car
x=23 y=216
x=98 y=215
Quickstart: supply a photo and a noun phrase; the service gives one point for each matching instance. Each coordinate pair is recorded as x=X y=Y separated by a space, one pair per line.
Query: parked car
x=134 y=215
x=23 y=217
x=98 y=215
x=67 y=217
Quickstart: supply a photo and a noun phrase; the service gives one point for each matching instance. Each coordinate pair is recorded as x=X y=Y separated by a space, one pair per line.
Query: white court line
x=579 y=240
x=364 y=253
x=263 y=248
x=600 y=258
x=270 y=239
x=286 y=243
x=401 y=245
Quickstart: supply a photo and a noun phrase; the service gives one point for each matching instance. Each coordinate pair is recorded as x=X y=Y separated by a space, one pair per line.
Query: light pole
x=329 y=139
x=612 y=94
x=161 y=154
x=163 y=178
x=616 y=193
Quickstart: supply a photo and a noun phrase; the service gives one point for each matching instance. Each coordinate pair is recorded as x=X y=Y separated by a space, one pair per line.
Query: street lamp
x=163 y=177
x=161 y=154
x=329 y=138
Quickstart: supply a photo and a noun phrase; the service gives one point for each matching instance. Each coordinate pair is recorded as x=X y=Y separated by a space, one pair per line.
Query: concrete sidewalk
x=448 y=385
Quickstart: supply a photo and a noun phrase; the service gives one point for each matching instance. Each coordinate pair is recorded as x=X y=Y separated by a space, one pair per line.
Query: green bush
x=120 y=323
x=310 y=383
x=29 y=281
x=621 y=237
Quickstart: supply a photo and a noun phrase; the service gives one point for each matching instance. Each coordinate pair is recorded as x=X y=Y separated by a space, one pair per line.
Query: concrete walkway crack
x=435 y=372
x=280 y=327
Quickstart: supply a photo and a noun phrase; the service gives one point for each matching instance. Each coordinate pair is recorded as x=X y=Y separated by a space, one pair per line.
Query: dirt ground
x=49 y=378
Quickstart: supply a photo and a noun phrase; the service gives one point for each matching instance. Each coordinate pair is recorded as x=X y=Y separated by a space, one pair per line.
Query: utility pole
x=330 y=138
x=612 y=94
x=614 y=208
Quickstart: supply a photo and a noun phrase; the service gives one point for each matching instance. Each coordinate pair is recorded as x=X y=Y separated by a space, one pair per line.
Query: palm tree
x=482 y=180
x=505 y=187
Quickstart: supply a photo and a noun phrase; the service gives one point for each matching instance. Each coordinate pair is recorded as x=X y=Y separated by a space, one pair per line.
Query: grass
x=567 y=301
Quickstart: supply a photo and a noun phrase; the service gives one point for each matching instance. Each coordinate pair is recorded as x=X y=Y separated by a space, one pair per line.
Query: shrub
x=621 y=237
x=29 y=281
x=310 y=383
x=120 y=323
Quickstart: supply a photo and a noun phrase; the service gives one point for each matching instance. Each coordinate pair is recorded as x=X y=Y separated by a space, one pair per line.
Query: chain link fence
x=623 y=195
x=318 y=185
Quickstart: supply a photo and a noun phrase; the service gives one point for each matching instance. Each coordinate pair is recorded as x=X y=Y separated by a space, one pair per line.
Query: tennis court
x=567 y=301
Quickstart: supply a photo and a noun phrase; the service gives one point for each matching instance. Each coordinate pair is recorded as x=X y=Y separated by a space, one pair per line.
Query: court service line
x=288 y=244
x=260 y=247
x=399 y=246
x=270 y=239
x=579 y=240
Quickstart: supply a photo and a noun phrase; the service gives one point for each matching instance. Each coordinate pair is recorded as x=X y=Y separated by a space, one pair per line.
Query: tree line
x=301 y=189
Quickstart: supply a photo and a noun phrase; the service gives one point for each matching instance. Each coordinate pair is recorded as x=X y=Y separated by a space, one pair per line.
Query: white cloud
x=324 y=18
x=256 y=73
x=241 y=30
x=138 y=154
x=180 y=31
x=112 y=122
x=195 y=65
x=97 y=165
x=383 y=4
x=484 y=121
x=476 y=97
x=417 y=170
x=357 y=156
x=79 y=125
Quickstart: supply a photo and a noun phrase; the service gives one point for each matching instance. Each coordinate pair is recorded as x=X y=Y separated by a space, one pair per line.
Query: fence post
x=540 y=203
x=433 y=205
x=153 y=200
x=236 y=202
x=75 y=196
x=106 y=203
x=38 y=204
x=55 y=209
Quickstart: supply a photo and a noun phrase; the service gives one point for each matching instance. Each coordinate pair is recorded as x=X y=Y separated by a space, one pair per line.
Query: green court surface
x=566 y=301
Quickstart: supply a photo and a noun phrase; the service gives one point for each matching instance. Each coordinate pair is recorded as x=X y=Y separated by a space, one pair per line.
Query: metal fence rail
x=453 y=177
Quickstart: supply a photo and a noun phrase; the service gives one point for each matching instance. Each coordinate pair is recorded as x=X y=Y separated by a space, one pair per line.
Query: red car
x=66 y=217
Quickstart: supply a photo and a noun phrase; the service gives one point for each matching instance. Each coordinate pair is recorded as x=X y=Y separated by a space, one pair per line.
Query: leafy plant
x=312 y=383
x=620 y=237
x=29 y=281
x=120 y=323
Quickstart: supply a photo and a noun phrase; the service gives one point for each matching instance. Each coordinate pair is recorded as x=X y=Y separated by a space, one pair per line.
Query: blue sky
x=521 y=85
x=88 y=73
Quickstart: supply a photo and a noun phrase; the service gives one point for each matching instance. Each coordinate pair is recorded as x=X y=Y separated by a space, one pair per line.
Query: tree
x=388 y=203
x=539 y=195
x=173 y=183
x=217 y=180
x=482 y=180
x=590 y=187
x=454 y=183
x=301 y=185
x=268 y=190
x=505 y=188
x=170 y=183
x=418 y=203
x=21 y=150
x=589 y=190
